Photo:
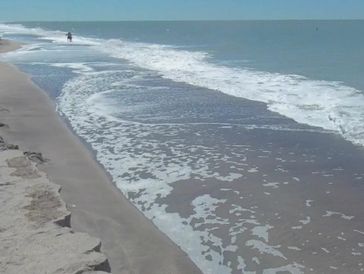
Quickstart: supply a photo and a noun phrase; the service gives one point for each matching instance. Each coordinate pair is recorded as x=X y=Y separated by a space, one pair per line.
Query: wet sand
x=261 y=200
x=6 y=46
x=131 y=242
x=296 y=206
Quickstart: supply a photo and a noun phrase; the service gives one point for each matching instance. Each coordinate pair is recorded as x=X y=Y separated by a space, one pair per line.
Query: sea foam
x=129 y=150
x=330 y=105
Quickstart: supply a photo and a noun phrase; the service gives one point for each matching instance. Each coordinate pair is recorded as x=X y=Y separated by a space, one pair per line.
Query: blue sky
x=81 y=10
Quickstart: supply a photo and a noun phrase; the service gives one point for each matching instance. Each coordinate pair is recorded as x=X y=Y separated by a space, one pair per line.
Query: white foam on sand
x=292 y=268
x=264 y=248
x=309 y=203
x=272 y=185
x=294 y=248
x=262 y=231
x=145 y=173
x=305 y=221
x=147 y=176
x=358 y=231
x=242 y=266
x=342 y=215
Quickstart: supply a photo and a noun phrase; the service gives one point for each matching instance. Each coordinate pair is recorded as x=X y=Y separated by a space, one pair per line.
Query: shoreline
x=131 y=242
x=256 y=199
x=6 y=45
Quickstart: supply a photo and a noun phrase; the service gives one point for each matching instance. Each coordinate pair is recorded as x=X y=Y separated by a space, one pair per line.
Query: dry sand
x=131 y=242
x=35 y=235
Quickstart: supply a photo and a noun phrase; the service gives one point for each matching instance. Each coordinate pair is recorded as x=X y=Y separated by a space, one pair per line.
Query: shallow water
x=234 y=147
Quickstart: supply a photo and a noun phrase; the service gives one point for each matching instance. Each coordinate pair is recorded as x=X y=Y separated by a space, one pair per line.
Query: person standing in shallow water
x=69 y=37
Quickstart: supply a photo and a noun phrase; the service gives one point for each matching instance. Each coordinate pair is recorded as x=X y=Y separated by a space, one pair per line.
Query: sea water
x=185 y=116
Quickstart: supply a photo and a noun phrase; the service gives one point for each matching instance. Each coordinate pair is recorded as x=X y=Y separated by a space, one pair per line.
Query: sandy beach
x=235 y=185
x=131 y=242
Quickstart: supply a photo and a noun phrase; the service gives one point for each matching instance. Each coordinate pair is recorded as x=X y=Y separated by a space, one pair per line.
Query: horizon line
x=180 y=20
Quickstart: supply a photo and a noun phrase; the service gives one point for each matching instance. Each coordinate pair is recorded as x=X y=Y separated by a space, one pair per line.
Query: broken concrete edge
x=4 y=145
x=43 y=209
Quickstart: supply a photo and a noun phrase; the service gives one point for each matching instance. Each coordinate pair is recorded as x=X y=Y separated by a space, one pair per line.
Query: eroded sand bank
x=34 y=228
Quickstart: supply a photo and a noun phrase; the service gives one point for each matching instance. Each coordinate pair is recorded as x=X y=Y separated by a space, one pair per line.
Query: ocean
x=242 y=141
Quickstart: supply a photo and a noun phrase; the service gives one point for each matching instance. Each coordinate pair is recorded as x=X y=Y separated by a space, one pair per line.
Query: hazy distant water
x=205 y=125
x=322 y=50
